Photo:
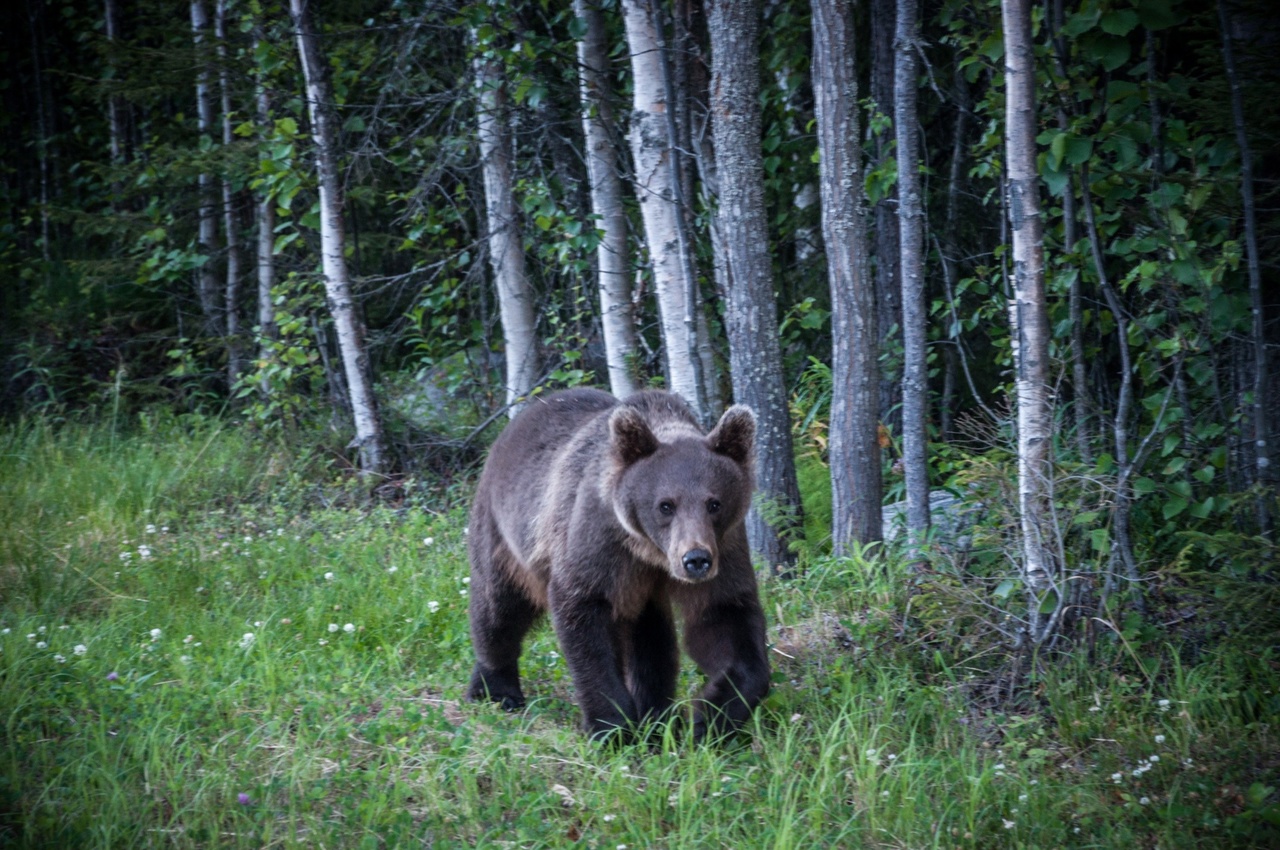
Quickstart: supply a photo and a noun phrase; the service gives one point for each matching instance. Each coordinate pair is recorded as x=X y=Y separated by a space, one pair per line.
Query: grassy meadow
x=206 y=642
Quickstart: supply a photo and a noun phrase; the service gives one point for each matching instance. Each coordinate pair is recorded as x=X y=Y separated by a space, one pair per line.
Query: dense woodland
x=1020 y=254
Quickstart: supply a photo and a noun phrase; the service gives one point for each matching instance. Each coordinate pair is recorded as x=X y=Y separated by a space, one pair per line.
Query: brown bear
x=606 y=513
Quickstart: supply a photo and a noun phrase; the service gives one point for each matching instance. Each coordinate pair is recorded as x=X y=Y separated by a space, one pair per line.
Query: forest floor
x=205 y=644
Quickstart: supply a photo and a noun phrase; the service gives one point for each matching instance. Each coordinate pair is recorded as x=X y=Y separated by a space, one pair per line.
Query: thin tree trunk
x=207 y=234
x=742 y=249
x=370 y=442
x=888 y=280
x=658 y=190
x=1258 y=382
x=265 y=212
x=854 y=446
x=915 y=373
x=230 y=216
x=115 y=106
x=44 y=130
x=1035 y=419
x=506 y=249
x=1079 y=383
x=612 y=261
x=1123 y=547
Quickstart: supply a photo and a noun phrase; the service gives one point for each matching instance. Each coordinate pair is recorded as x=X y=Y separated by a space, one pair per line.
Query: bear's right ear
x=630 y=435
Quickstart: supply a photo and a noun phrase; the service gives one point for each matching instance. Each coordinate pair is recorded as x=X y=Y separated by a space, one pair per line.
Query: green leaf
x=1205 y=473
x=1119 y=22
x=1201 y=510
x=1100 y=538
x=1174 y=506
x=1081 y=22
x=1005 y=587
x=1158 y=14
x=1078 y=150
x=1049 y=603
x=1143 y=486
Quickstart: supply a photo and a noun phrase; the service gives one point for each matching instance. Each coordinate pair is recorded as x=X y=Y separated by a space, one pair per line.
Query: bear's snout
x=697 y=563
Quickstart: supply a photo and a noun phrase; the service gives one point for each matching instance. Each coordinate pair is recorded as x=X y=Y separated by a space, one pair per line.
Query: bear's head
x=678 y=492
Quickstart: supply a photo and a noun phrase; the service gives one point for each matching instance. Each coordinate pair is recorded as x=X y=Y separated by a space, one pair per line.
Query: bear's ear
x=735 y=435
x=630 y=435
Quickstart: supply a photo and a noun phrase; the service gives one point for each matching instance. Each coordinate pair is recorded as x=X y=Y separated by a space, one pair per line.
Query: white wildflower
x=61 y=659
x=427 y=541
x=433 y=606
x=41 y=645
x=1145 y=801
x=349 y=628
x=247 y=640
x=155 y=634
x=333 y=627
x=80 y=649
x=1159 y=739
x=328 y=576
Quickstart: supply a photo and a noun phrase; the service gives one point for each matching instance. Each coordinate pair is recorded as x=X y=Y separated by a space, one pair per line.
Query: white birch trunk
x=265 y=213
x=856 y=485
x=915 y=367
x=369 y=441
x=115 y=107
x=612 y=262
x=231 y=224
x=207 y=233
x=1031 y=325
x=652 y=154
x=506 y=250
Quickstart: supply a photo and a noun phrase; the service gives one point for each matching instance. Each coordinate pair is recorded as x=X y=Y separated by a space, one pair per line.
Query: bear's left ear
x=630 y=435
x=735 y=435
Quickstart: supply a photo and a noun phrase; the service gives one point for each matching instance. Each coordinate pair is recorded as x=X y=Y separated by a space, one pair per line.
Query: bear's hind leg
x=501 y=615
x=652 y=662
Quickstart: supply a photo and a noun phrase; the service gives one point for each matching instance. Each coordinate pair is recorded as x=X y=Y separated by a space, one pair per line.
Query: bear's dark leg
x=585 y=628
x=652 y=661
x=501 y=615
x=727 y=642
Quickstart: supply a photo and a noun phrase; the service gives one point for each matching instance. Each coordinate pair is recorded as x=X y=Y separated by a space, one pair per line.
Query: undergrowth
x=197 y=650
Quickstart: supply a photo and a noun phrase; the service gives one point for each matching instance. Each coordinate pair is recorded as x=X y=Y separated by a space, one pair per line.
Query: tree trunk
x=888 y=282
x=115 y=106
x=369 y=441
x=230 y=216
x=1035 y=415
x=265 y=212
x=742 y=250
x=506 y=248
x=915 y=368
x=1258 y=382
x=612 y=261
x=658 y=190
x=854 y=446
x=207 y=234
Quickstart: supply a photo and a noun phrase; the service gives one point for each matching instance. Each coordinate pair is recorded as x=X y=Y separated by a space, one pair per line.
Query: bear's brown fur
x=606 y=513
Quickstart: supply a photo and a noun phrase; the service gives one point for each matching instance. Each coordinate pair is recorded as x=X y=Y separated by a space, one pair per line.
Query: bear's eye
x=667 y=507
x=713 y=506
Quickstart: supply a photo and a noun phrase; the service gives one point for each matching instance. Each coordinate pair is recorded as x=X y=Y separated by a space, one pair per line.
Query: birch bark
x=657 y=185
x=207 y=232
x=1031 y=321
x=506 y=252
x=230 y=216
x=612 y=263
x=915 y=370
x=370 y=441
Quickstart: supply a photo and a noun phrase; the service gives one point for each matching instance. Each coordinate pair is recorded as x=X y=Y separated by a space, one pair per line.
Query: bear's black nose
x=697 y=562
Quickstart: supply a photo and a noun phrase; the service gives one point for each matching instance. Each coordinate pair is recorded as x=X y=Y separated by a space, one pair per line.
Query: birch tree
x=1029 y=311
x=370 y=440
x=206 y=275
x=854 y=446
x=741 y=244
x=230 y=216
x=115 y=104
x=612 y=262
x=506 y=251
x=658 y=190
x=265 y=215
x=915 y=371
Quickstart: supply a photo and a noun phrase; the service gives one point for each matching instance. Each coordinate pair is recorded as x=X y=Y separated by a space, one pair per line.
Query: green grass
x=874 y=735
